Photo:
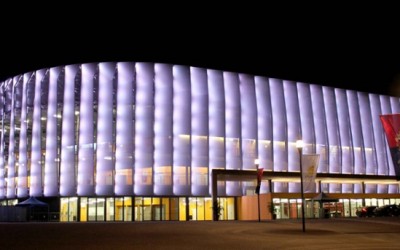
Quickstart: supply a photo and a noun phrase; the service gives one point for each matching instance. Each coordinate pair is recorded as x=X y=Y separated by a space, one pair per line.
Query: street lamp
x=299 y=146
x=257 y=162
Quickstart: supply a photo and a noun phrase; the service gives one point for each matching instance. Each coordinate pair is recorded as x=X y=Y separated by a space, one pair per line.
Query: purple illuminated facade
x=128 y=130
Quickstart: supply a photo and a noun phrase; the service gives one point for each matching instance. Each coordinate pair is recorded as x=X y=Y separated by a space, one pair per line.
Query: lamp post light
x=257 y=162
x=299 y=146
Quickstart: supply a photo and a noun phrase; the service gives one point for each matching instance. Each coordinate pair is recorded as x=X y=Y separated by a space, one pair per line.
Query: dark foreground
x=354 y=233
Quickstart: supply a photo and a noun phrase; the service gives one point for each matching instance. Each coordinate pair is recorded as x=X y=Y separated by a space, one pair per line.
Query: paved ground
x=335 y=233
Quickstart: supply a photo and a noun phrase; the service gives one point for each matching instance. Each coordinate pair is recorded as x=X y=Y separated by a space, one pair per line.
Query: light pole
x=299 y=146
x=257 y=162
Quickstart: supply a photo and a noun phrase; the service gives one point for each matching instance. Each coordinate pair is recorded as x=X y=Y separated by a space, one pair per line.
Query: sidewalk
x=334 y=233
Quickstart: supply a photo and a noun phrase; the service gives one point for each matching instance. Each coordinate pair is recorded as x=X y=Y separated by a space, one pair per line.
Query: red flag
x=391 y=125
x=259 y=176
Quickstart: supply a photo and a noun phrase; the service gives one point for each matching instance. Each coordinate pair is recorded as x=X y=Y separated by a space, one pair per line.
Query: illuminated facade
x=138 y=141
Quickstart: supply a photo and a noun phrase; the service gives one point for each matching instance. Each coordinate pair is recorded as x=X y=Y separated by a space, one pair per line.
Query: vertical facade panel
x=104 y=144
x=249 y=121
x=86 y=138
x=36 y=152
x=60 y=116
x=144 y=129
x=199 y=110
x=68 y=145
x=44 y=99
x=356 y=133
x=124 y=133
x=50 y=170
x=346 y=143
x=367 y=133
x=11 y=146
x=264 y=123
x=293 y=125
x=321 y=133
x=385 y=104
x=216 y=123
x=18 y=106
x=233 y=154
x=22 y=185
x=279 y=122
x=163 y=107
x=181 y=130
x=306 y=118
x=264 y=126
x=393 y=188
x=30 y=102
x=335 y=154
x=395 y=105
x=379 y=136
x=333 y=130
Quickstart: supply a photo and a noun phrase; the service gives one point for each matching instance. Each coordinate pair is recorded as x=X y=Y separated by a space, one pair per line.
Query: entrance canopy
x=322 y=197
x=32 y=202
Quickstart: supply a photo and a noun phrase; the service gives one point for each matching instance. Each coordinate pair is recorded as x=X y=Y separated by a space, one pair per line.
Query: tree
x=217 y=210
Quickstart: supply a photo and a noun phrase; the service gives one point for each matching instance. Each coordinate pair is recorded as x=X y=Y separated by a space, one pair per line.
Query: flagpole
x=256 y=161
x=299 y=145
x=258 y=199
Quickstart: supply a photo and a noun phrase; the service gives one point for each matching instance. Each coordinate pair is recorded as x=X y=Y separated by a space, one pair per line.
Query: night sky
x=359 y=55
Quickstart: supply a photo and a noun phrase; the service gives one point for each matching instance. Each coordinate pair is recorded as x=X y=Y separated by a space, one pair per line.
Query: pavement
x=333 y=233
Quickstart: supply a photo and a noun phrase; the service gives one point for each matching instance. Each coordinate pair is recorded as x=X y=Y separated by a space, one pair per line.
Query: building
x=139 y=141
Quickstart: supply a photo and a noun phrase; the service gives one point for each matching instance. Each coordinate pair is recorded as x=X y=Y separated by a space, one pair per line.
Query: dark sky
x=362 y=56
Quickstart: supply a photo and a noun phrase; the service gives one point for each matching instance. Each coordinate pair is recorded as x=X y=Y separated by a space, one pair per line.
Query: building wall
x=247 y=208
x=158 y=130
